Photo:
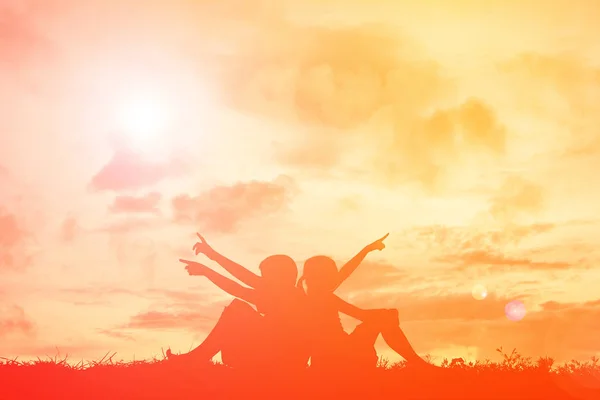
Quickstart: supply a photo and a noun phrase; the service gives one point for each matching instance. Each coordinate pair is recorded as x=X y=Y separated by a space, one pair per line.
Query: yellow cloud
x=515 y=197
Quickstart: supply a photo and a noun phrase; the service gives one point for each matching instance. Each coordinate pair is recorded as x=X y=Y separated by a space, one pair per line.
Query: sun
x=143 y=118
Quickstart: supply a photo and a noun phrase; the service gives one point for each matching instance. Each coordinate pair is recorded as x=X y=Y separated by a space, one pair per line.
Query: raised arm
x=351 y=265
x=233 y=288
x=239 y=272
x=361 y=314
x=350 y=309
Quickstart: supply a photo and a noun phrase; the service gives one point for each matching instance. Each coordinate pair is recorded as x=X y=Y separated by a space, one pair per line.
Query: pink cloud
x=11 y=232
x=19 y=38
x=128 y=170
x=13 y=239
x=222 y=208
x=136 y=204
x=14 y=321
x=69 y=230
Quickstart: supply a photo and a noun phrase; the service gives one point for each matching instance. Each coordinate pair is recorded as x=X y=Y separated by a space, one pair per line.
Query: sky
x=468 y=130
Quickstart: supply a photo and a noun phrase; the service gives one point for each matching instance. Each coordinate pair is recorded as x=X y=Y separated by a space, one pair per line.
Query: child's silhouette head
x=320 y=274
x=279 y=270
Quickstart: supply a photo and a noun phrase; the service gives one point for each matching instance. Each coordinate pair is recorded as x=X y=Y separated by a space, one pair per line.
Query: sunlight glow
x=143 y=119
x=515 y=310
x=479 y=292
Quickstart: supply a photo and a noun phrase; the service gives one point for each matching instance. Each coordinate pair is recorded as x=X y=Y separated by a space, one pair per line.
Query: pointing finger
x=200 y=237
x=384 y=237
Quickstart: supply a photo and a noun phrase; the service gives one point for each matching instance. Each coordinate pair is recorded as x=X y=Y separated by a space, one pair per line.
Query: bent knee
x=367 y=331
x=395 y=316
x=237 y=303
x=238 y=306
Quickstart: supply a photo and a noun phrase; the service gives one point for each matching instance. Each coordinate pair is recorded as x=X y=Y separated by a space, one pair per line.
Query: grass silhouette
x=515 y=377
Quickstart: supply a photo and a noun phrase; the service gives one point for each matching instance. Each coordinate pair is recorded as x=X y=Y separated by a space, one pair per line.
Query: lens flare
x=515 y=310
x=479 y=292
x=143 y=119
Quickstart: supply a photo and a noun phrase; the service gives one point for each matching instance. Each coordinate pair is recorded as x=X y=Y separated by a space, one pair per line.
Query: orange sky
x=467 y=129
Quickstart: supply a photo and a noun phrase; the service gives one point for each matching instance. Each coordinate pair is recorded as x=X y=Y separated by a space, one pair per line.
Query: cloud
x=416 y=306
x=571 y=76
x=191 y=299
x=69 y=230
x=556 y=306
x=373 y=276
x=333 y=80
x=14 y=321
x=425 y=149
x=134 y=204
x=97 y=292
x=362 y=84
x=583 y=147
x=88 y=350
x=115 y=334
x=562 y=330
x=182 y=296
x=128 y=170
x=141 y=251
x=318 y=155
x=498 y=260
x=351 y=204
x=4 y=174
x=450 y=239
x=515 y=197
x=466 y=247
x=222 y=208
x=337 y=78
x=11 y=233
x=20 y=40
x=193 y=321
x=13 y=242
x=562 y=86
x=126 y=225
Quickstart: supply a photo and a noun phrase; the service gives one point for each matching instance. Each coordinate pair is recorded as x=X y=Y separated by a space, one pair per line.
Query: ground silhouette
x=513 y=378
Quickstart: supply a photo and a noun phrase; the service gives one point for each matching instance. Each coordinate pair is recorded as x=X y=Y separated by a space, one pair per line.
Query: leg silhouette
x=397 y=340
x=227 y=336
x=362 y=342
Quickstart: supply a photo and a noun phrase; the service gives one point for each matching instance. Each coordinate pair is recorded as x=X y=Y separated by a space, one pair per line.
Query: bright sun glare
x=143 y=119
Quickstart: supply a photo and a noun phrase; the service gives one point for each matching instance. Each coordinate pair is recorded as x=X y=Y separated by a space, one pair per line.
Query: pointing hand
x=194 y=268
x=202 y=246
x=378 y=244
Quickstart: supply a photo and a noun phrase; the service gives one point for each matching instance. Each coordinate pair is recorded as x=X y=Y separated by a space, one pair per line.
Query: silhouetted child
x=247 y=339
x=331 y=346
